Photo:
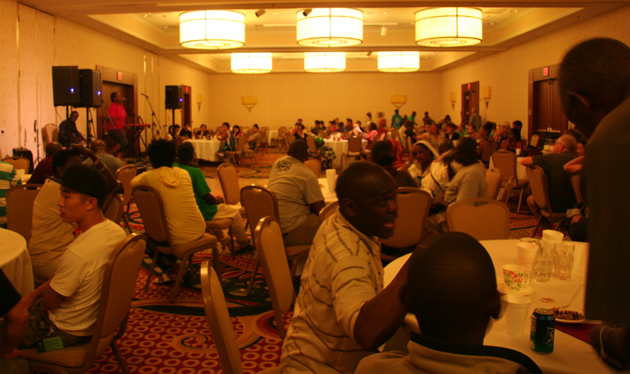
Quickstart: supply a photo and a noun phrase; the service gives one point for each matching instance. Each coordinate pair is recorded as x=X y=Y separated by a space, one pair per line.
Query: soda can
x=543 y=330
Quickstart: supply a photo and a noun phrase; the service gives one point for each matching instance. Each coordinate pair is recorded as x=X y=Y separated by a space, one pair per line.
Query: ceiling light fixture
x=260 y=12
x=383 y=31
x=251 y=63
x=448 y=27
x=398 y=62
x=324 y=62
x=330 y=27
x=212 y=29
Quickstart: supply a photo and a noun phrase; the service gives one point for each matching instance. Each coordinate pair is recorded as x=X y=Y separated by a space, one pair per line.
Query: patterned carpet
x=174 y=338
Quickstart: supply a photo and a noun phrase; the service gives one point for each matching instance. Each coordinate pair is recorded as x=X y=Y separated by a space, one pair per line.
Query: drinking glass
x=563 y=260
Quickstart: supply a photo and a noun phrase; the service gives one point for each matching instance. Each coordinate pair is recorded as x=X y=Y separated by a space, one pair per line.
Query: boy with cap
x=67 y=305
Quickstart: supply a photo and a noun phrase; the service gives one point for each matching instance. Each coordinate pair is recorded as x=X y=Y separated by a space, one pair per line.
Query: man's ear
x=586 y=103
x=348 y=207
x=91 y=203
x=494 y=305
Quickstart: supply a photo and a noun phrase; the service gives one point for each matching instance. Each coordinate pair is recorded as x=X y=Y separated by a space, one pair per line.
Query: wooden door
x=470 y=99
x=546 y=116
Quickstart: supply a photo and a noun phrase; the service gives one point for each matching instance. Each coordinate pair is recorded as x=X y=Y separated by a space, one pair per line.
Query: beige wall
x=8 y=76
x=507 y=72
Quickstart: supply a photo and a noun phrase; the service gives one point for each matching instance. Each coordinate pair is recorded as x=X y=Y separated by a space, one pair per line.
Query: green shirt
x=200 y=186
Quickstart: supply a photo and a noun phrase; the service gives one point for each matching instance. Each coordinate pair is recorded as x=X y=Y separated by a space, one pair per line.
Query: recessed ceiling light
x=147 y=15
x=514 y=10
x=491 y=23
x=383 y=12
x=275 y=14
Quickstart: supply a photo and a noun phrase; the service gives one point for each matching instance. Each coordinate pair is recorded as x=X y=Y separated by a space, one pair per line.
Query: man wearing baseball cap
x=67 y=305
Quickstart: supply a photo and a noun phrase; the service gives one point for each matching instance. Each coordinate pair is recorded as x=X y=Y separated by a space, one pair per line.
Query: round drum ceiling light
x=330 y=27
x=448 y=27
x=212 y=29
x=251 y=63
x=324 y=62
x=398 y=62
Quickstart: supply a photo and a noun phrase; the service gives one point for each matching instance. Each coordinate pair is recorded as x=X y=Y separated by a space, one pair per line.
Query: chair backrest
x=538 y=185
x=493 y=177
x=312 y=147
x=125 y=174
x=328 y=210
x=20 y=201
x=534 y=141
x=281 y=131
x=314 y=165
x=288 y=138
x=50 y=133
x=275 y=265
x=115 y=208
x=259 y=202
x=229 y=183
x=18 y=162
x=151 y=210
x=507 y=190
x=219 y=320
x=481 y=218
x=413 y=210
x=505 y=161
x=241 y=142
x=576 y=181
x=394 y=133
x=354 y=144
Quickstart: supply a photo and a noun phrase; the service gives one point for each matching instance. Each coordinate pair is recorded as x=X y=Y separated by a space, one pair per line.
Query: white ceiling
x=154 y=26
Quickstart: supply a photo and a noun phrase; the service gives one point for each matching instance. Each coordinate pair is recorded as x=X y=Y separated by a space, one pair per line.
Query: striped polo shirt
x=8 y=179
x=342 y=272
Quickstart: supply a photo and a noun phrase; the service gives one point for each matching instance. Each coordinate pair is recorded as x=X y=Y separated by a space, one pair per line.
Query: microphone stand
x=154 y=118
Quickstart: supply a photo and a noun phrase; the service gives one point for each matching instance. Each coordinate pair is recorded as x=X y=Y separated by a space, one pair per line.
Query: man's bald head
x=594 y=79
x=451 y=287
x=367 y=198
x=299 y=150
x=98 y=146
x=52 y=148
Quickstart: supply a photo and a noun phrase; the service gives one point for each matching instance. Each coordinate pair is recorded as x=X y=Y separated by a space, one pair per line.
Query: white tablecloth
x=272 y=135
x=329 y=197
x=521 y=172
x=206 y=149
x=15 y=261
x=570 y=355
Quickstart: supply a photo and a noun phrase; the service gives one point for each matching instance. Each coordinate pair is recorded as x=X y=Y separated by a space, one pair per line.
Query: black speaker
x=66 y=89
x=174 y=97
x=90 y=88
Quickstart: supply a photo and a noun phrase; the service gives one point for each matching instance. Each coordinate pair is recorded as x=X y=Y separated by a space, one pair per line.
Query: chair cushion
x=353 y=154
x=69 y=357
x=206 y=241
x=224 y=223
x=297 y=249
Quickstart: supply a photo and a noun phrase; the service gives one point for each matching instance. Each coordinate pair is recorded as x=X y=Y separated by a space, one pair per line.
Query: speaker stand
x=88 y=126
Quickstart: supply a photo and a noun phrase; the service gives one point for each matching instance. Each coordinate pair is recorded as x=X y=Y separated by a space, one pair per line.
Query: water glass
x=543 y=267
x=563 y=260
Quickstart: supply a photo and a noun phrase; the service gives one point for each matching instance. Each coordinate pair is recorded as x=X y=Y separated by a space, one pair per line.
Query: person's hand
x=15 y=354
x=220 y=200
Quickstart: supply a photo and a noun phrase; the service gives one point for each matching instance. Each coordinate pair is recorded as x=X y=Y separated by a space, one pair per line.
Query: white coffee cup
x=514 y=311
x=331 y=177
x=552 y=235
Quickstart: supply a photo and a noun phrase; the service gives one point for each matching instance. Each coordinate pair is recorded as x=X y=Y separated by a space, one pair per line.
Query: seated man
x=560 y=189
x=50 y=234
x=210 y=207
x=299 y=196
x=342 y=312
x=253 y=137
x=453 y=316
x=67 y=305
x=100 y=149
x=184 y=219
x=202 y=133
x=68 y=133
x=44 y=168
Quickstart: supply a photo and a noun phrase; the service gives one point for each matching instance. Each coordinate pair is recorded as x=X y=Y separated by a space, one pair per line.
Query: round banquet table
x=570 y=355
x=15 y=261
x=272 y=135
x=206 y=149
x=340 y=147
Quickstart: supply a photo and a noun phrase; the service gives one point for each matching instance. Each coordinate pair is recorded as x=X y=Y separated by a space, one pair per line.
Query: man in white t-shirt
x=67 y=305
x=299 y=196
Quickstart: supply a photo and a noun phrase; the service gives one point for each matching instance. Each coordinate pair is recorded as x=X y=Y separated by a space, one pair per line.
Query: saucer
x=526 y=290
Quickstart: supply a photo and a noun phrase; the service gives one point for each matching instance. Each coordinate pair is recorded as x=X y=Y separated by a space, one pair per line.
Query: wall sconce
x=398 y=100
x=198 y=101
x=486 y=94
x=249 y=102
x=453 y=99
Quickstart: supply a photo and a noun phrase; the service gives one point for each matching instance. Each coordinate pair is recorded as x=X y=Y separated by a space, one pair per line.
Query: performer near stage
x=117 y=113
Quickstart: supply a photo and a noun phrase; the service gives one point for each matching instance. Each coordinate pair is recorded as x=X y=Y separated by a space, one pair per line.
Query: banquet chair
x=413 y=211
x=239 y=152
x=288 y=139
x=314 y=165
x=312 y=147
x=219 y=320
x=276 y=268
x=151 y=210
x=394 y=135
x=20 y=201
x=482 y=218
x=50 y=133
x=261 y=141
x=505 y=161
x=534 y=141
x=261 y=202
x=229 y=184
x=487 y=150
x=539 y=187
x=493 y=178
x=354 y=149
x=507 y=191
x=114 y=207
x=119 y=280
x=124 y=175
x=280 y=137
x=247 y=151
x=576 y=182
x=328 y=211
x=18 y=162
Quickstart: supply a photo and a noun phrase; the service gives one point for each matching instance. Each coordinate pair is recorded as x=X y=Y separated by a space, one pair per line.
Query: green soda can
x=543 y=330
